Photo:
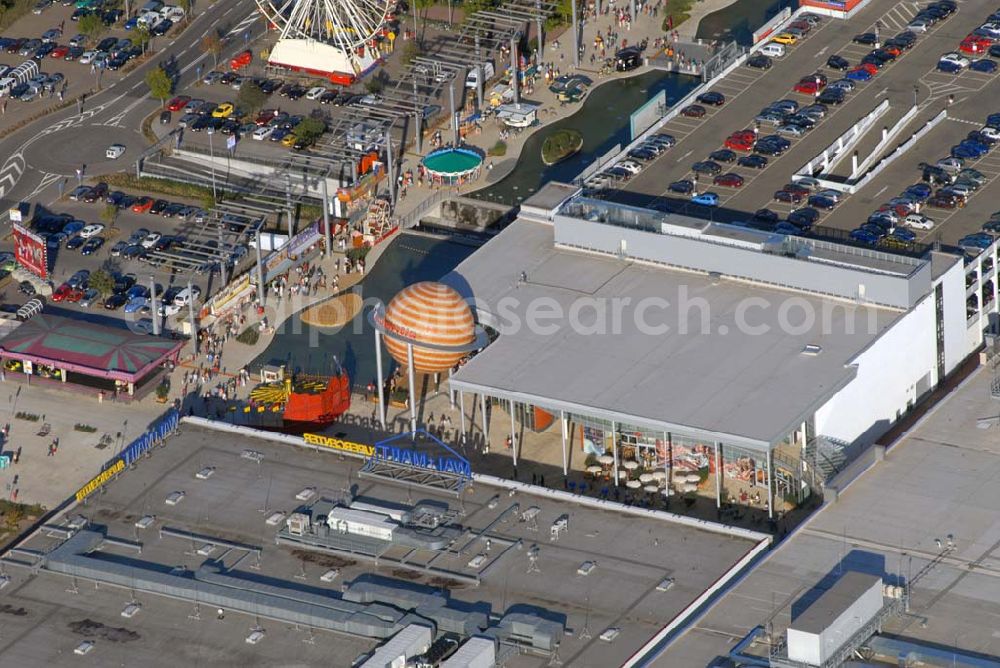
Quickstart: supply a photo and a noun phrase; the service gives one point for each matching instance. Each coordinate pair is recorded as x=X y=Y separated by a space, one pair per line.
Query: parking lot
x=631 y=556
x=912 y=72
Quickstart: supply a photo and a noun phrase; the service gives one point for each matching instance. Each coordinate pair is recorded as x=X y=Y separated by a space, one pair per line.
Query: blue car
x=787 y=228
x=903 y=234
x=975 y=145
x=993 y=120
x=136 y=304
x=864 y=236
x=858 y=75
x=132 y=23
x=983 y=65
x=72 y=227
x=706 y=199
x=978 y=240
x=920 y=191
x=963 y=152
x=948 y=67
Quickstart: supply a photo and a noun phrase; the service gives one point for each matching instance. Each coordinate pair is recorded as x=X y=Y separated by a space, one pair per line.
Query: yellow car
x=785 y=38
x=289 y=139
x=224 y=110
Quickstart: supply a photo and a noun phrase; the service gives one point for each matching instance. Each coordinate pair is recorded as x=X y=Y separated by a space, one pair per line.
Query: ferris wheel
x=314 y=26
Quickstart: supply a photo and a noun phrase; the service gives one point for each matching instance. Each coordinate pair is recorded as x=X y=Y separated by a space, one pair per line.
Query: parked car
x=706 y=199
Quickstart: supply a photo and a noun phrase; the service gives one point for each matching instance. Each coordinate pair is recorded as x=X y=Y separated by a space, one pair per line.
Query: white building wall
x=888 y=374
x=956 y=340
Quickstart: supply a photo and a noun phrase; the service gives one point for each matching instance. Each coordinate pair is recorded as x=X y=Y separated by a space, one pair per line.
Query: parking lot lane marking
x=821 y=51
x=685 y=155
x=884 y=188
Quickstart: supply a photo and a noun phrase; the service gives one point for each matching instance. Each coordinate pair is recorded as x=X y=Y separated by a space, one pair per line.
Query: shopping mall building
x=666 y=348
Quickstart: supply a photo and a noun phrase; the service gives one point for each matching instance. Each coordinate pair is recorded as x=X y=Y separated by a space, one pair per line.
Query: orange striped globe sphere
x=432 y=313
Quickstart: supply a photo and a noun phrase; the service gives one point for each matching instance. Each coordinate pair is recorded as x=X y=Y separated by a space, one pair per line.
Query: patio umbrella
x=646 y=477
x=606 y=460
x=633 y=484
x=659 y=475
x=631 y=465
x=690 y=487
x=651 y=488
x=622 y=473
x=693 y=477
x=594 y=469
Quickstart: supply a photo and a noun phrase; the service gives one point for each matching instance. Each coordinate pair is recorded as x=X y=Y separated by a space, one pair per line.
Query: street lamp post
x=211 y=155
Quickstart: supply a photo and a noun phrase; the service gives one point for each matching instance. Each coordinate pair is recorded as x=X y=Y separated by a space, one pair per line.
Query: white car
x=185 y=296
x=955 y=57
x=91 y=230
x=205 y=473
x=145 y=522
x=991 y=29
x=952 y=165
x=131 y=610
x=586 y=568
x=77 y=40
x=150 y=239
x=262 y=133
x=169 y=309
x=84 y=647
x=88 y=56
x=315 y=93
x=919 y=221
x=255 y=637
x=330 y=575
x=629 y=166
x=918 y=26
x=114 y=151
x=990 y=133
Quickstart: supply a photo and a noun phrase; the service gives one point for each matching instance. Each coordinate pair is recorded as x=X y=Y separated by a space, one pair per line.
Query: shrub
x=85 y=428
x=249 y=336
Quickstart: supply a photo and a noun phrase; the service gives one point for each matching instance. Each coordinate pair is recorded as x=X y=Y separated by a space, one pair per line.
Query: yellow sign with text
x=362 y=449
x=99 y=480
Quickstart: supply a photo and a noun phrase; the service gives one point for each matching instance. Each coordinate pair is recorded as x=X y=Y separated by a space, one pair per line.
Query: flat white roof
x=725 y=384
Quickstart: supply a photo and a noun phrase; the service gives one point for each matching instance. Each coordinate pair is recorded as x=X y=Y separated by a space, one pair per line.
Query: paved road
x=749 y=90
x=47 y=151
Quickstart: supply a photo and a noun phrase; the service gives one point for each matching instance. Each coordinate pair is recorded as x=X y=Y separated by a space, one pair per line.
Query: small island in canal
x=560 y=145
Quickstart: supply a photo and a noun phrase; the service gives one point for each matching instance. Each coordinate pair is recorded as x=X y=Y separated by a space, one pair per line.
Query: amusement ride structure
x=337 y=39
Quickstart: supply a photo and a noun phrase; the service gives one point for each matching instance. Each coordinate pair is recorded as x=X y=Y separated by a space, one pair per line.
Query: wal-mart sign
x=423 y=460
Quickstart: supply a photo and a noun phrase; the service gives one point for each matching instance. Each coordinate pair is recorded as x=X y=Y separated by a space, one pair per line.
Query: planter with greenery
x=498 y=149
x=162 y=391
x=560 y=145
x=249 y=336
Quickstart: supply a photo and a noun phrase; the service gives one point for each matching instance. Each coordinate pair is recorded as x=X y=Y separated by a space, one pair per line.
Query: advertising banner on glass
x=30 y=251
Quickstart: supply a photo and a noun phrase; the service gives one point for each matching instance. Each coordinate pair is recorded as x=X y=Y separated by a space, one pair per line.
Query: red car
x=178 y=103
x=59 y=52
x=241 y=60
x=788 y=196
x=143 y=204
x=868 y=67
x=975 y=44
x=741 y=141
x=265 y=117
x=730 y=180
x=63 y=292
x=808 y=87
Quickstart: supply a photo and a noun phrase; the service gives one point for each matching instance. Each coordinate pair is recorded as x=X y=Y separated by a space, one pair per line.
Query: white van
x=185 y=296
x=6 y=84
x=471 y=79
x=774 y=50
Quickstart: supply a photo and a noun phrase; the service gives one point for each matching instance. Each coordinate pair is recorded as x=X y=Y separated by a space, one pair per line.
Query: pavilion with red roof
x=66 y=350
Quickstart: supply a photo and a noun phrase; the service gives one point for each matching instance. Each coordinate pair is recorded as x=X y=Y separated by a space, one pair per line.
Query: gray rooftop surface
x=633 y=554
x=832 y=603
x=742 y=386
x=940 y=480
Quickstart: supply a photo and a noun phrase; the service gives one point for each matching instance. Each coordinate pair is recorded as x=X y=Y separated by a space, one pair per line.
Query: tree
x=92 y=26
x=251 y=98
x=141 y=36
x=185 y=5
x=159 y=83
x=212 y=44
x=109 y=214
x=309 y=129
x=102 y=281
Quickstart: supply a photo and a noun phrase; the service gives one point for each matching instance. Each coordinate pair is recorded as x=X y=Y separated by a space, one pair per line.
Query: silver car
x=791 y=130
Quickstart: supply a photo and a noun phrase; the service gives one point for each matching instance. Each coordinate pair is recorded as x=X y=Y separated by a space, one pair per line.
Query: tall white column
x=413 y=388
x=461 y=411
x=718 y=474
x=486 y=427
x=379 y=380
x=614 y=451
x=562 y=424
x=770 y=486
x=513 y=434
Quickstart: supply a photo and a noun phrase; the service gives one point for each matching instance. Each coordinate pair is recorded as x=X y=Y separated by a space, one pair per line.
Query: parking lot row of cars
x=636 y=160
x=980 y=42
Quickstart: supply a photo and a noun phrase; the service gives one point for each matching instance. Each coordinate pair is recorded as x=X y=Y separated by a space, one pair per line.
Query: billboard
x=30 y=251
